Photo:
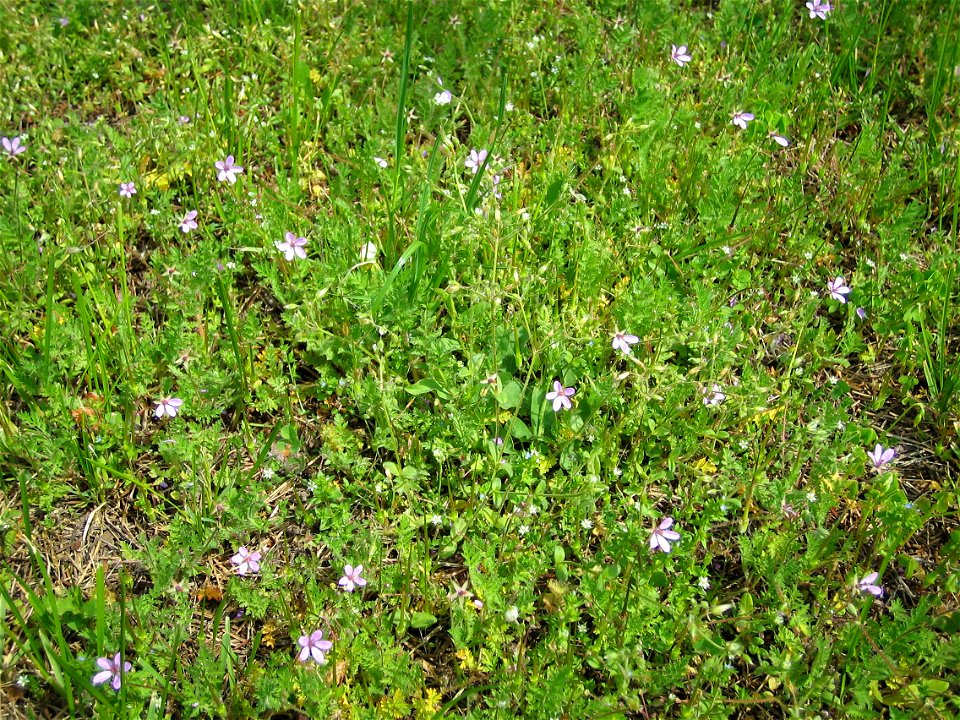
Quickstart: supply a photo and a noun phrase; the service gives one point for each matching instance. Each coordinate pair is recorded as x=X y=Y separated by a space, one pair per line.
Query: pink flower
x=127 y=189
x=561 y=396
x=868 y=585
x=189 y=222
x=881 y=456
x=838 y=290
x=714 y=396
x=476 y=160
x=292 y=246
x=662 y=536
x=167 y=407
x=680 y=55
x=246 y=561
x=819 y=9
x=12 y=146
x=622 y=342
x=313 y=646
x=780 y=140
x=227 y=170
x=742 y=119
x=111 y=669
x=351 y=578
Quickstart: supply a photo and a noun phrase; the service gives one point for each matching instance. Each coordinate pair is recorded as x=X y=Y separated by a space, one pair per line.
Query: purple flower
x=680 y=55
x=561 y=396
x=780 y=140
x=838 y=291
x=476 y=160
x=227 y=170
x=189 y=222
x=292 y=246
x=111 y=669
x=313 y=646
x=622 y=342
x=184 y=119
x=742 y=119
x=246 y=561
x=881 y=456
x=861 y=313
x=662 y=536
x=868 y=585
x=64 y=21
x=351 y=578
x=714 y=396
x=168 y=406
x=12 y=146
x=128 y=189
x=819 y=9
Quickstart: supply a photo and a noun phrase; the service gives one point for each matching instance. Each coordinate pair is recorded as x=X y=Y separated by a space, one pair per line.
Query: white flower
x=443 y=97
x=512 y=615
x=368 y=252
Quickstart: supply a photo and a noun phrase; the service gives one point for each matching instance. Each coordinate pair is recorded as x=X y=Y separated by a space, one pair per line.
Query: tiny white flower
x=368 y=252
x=512 y=615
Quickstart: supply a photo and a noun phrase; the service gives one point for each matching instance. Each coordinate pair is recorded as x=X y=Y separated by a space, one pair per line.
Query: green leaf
x=421 y=620
x=511 y=394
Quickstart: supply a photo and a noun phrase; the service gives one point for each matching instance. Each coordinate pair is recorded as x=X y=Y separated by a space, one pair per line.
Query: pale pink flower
x=168 y=407
x=189 y=222
x=881 y=456
x=742 y=119
x=351 y=578
x=714 y=396
x=313 y=647
x=662 y=536
x=819 y=9
x=112 y=670
x=622 y=342
x=838 y=290
x=292 y=246
x=127 y=189
x=868 y=586
x=12 y=146
x=780 y=140
x=246 y=561
x=680 y=55
x=561 y=396
x=475 y=160
x=227 y=170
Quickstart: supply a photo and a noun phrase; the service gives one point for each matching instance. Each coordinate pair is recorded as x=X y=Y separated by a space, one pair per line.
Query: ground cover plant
x=489 y=360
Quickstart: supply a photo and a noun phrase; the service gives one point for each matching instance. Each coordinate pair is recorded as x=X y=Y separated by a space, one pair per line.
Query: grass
x=384 y=401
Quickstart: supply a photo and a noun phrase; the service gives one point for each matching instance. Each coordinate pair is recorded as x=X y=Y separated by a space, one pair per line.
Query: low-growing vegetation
x=581 y=359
